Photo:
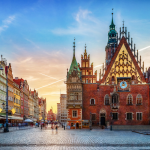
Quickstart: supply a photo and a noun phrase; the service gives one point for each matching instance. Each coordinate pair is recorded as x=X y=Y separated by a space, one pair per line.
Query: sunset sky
x=36 y=37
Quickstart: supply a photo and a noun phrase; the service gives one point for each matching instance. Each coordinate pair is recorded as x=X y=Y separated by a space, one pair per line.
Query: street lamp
x=90 y=121
x=111 y=121
x=3 y=105
x=1 y=68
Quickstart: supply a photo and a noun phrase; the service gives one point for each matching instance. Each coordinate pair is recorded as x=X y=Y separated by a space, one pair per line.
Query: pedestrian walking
x=41 y=126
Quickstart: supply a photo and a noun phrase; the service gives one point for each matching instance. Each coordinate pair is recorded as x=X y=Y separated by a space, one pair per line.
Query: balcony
x=74 y=103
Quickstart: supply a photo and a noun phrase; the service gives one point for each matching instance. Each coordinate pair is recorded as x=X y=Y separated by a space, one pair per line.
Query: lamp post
x=90 y=121
x=3 y=105
x=111 y=121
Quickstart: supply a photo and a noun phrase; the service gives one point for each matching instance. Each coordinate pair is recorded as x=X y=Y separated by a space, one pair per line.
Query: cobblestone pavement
x=85 y=139
x=16 y=128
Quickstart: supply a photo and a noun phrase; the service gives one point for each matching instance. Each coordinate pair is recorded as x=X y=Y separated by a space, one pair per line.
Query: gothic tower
x=112 y=42
x=74 y=94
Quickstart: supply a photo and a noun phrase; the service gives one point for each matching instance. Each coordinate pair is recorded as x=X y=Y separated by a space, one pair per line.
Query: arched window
x=133 y=77
x=107 y=99
x=114 y=99
x=92 y=101
x=129 y=99
x=113 y=78
x=139 y=99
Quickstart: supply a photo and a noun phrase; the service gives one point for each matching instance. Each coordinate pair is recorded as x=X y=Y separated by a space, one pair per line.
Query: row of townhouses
x=22 y=102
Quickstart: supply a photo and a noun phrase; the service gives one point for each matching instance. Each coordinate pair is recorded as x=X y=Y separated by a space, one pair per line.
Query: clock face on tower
x=123 y=84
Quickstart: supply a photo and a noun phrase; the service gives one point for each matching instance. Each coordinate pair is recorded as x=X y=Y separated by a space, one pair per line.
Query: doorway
x=77 y=125
x=102 y=119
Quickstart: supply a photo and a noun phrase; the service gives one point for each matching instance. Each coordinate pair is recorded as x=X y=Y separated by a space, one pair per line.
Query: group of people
x=53 y=126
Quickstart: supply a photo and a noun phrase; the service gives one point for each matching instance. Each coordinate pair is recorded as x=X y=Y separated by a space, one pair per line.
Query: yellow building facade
x=17 y=100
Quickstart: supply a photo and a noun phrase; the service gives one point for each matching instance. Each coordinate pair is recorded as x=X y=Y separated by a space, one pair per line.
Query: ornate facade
x=120 y=96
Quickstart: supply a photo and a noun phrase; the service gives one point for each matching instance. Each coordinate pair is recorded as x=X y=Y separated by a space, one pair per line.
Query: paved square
x=35 y=138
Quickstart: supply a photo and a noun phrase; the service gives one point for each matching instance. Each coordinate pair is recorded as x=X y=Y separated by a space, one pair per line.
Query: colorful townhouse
x=3 y=64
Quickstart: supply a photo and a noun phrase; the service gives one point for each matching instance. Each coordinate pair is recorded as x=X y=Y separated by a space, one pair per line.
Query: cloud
x=6 y=23
x=50 y=84
x=85 y=23
x=36 y=46
x=82 y=14
x=54 y=93
x=31 y=78
x=9 y=20
x=47 y=76
x=26 y=60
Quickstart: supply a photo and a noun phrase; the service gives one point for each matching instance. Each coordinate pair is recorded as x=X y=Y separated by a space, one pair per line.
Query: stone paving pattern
x=84 y=139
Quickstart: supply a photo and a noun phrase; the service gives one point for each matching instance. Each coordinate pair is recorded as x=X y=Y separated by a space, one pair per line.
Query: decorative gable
x=123 y=64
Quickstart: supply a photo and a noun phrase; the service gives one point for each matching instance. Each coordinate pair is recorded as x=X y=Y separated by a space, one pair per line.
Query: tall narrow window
x=115 y=99
x=107 y=99
x=92 y=101
x=139 y=116
x=129 y=116
x=115 y=116
x=93 y=117
x=86 y=80
x=129 y=99
x=133 y=77
x=113 y=78
x=139 y=99
x=74 y=113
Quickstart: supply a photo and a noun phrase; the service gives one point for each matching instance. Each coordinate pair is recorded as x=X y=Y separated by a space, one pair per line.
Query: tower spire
x=74 y=48
x=112 y=16
x=112 y=26
x=85 y=53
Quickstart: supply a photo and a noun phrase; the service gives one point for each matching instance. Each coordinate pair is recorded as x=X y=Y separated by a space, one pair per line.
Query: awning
x=28 y=120
x=17 y=118
x=11 y=117
x=33 y=119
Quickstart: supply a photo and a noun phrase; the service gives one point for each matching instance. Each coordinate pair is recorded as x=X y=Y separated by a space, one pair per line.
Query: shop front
x=85 y=124
x=74 y=124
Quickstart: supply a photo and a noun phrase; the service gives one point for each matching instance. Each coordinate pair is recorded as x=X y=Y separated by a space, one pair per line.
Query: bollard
x=64 y=127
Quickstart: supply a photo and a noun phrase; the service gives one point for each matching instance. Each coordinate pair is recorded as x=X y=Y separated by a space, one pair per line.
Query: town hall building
x=121 y=95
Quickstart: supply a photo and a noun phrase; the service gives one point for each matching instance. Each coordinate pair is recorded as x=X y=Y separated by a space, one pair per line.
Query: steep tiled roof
x=123 y=41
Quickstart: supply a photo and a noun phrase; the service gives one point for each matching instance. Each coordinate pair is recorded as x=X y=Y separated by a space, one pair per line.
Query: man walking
x=41 y=126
